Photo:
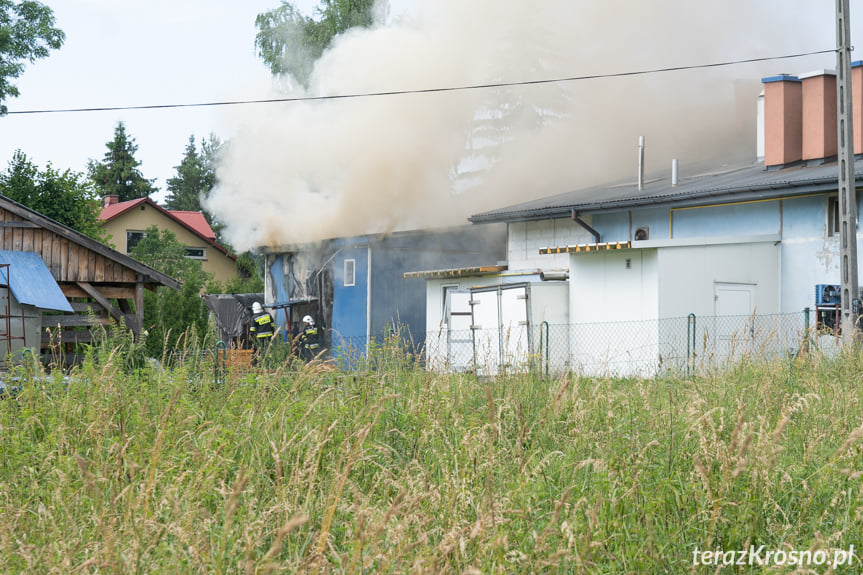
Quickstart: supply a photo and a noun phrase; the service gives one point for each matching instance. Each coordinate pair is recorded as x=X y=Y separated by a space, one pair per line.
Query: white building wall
x=524 y=240
x=688 y=276
x=614 y=308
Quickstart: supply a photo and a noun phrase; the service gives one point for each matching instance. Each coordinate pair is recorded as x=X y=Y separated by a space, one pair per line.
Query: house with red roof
x=127 y=222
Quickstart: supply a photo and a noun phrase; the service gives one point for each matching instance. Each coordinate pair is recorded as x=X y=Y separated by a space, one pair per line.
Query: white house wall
x=524 y=239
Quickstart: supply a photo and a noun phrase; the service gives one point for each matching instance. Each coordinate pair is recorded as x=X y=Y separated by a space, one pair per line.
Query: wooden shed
x=101 y=284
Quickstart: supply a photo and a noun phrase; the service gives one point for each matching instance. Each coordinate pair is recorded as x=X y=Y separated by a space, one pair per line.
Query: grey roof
x=751 y=182
x=31 y=281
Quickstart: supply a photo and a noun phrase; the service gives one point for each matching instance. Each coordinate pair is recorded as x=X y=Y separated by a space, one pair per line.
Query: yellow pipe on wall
x=672 y=210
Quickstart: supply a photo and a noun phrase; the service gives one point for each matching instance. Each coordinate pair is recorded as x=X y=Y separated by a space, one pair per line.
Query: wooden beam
x=103 y=301
x=69 y=335
x=139 y=307
x=53 y=321
x=110 y=292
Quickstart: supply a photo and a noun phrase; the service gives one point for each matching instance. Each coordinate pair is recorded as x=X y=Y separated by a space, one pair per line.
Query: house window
x=132 y=239
x=833 y=216
x=196 y=253
x=350 y=272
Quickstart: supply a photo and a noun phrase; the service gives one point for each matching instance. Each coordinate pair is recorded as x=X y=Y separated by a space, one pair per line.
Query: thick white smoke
x=303 y=171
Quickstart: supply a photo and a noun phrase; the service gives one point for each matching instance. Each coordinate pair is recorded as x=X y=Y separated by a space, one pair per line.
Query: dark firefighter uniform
x=309 y=342
x=262 y=328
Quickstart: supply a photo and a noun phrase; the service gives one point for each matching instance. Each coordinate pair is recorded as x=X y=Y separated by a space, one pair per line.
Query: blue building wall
x=350 y=302
x=753 y=218
x=398 y=304
x=809 y=256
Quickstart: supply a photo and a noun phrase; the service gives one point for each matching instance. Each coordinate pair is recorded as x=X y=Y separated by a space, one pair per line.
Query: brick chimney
x=111 y=200
x=819 y=115
x=783 y=120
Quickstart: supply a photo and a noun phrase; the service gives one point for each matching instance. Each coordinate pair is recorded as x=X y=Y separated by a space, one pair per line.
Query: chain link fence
x=628 y=348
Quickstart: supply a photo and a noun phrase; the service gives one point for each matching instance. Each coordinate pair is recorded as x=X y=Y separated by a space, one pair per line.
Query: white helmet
x=308 y=319
x=256 y=307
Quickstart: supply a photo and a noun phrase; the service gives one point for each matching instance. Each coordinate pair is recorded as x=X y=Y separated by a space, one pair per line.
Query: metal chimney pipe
x=674 y=172
x=640 y=163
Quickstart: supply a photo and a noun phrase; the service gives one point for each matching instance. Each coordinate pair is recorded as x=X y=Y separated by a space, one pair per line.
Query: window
x=196 y=253
x=132 y=239
x=350 y=272
x=833 y=216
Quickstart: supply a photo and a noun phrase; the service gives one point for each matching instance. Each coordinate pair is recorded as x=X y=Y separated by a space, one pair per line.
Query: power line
x=425 y=90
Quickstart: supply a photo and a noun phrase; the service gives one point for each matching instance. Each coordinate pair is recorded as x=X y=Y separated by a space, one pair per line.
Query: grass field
x=395 y=470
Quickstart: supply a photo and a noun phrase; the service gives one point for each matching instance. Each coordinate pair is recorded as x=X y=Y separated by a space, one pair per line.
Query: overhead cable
x=423 y=90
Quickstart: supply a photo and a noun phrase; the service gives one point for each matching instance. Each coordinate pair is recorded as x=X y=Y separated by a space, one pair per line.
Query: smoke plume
x=297 y=172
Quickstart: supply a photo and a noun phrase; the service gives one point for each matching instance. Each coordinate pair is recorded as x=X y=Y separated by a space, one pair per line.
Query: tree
x=118 y=174
x=27 y=33
x=67 y=197
x=170 y=316
x=289 y=42
x=193 y=180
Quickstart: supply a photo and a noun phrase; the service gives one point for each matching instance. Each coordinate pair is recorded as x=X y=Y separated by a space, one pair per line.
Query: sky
x=130 y=53
x=303 y=171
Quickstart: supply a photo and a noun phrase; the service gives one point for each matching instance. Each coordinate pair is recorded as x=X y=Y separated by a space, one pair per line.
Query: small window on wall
x=196 y=253
x=132 y=239
x=350 y=272
x=833 y=216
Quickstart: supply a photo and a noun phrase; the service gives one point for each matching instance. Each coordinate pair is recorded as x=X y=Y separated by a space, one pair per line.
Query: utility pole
x=847 y=181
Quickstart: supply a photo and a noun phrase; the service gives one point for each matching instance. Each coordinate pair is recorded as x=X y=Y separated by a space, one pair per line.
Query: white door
x=734 y=327
x=459 y=335
x=486 y=331
x=514 y=342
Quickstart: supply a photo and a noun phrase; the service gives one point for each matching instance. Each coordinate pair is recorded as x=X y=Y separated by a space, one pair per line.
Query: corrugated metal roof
x=730 y=184
x=31 y=281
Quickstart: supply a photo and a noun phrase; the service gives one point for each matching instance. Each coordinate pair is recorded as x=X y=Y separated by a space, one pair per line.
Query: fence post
x=690 y=341
x=805 y=349
x=221 y=359
x=547 y=345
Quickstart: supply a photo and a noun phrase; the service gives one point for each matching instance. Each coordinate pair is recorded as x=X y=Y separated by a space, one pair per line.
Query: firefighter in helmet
x=309 y=340
x=262 y=328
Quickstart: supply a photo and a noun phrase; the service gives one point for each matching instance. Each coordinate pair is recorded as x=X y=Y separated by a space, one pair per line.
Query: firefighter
x=309 y=340
x=262 y=327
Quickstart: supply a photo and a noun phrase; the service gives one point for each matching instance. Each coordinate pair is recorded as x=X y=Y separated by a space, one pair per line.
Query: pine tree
x=194 y=178
x=118 y=174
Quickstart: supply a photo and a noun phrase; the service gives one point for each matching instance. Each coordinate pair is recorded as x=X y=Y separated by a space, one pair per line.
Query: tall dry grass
x=391 y=469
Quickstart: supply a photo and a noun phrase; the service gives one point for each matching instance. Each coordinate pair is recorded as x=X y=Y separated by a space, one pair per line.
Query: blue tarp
x=31 y=281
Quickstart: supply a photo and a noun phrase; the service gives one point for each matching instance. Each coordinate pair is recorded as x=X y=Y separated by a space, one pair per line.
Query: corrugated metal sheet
x=752 y=181
x=31 y=282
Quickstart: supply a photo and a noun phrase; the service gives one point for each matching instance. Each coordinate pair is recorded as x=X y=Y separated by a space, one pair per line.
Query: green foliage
x=248 y=280
x=171 y=316
x=68 y=197
x=118 y=174
x=289 y=42
x=27 y=34
x=407 y=471
x=191 y=182
x=195 y=179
